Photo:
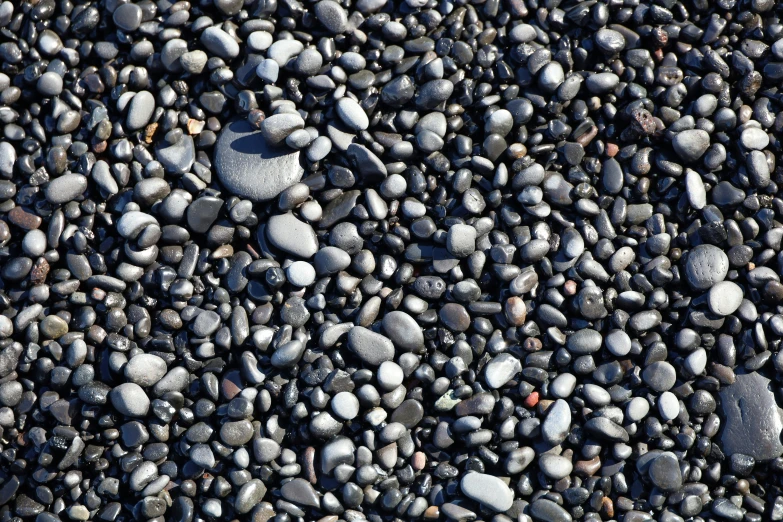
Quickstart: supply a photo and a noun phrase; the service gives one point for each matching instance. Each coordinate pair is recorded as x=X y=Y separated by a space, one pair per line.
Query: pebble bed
x=386 y=260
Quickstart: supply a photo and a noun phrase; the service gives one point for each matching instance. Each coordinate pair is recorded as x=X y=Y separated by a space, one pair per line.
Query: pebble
x=140 y=110
x=50 y=84
x=668 y=406
x=754 y=138
x=368 y=260
x=487 y=490
x=128 y=17
x=248 y=167
x=461 y=240
x=555 y=467
x=706 y=266
x=618 y=343
x=219 y=42
x=332 y=16
x=501 y=369
x=751 y=418
x=557 y=423
x=249 y=495
x=301 y=273
x=665 y=472
x=145 y=369
x=690 y=145
x=724 y=298
x=403 y=331
x=660 y=376
x=276 y=128
x=349 y=111
x=65 y=188
x=129 y=399
x=372 y=348
x=291 y=235
x=345 y=405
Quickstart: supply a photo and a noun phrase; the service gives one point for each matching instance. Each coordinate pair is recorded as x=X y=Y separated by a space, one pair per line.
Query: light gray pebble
x=129 y=399
x=345 y=405
x=724 y=298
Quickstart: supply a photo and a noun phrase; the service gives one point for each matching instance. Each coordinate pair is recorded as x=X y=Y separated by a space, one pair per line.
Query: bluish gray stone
x=249 y=167
x=752 y=422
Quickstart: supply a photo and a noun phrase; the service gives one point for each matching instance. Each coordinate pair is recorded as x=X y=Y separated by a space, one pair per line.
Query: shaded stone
x=248 y=166
x=751 y=418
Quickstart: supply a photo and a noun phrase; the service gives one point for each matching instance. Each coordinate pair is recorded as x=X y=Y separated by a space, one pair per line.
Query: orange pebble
x=531 y=400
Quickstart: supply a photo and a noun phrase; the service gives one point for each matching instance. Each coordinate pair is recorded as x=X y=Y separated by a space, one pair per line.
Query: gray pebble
x=488 y=490
x=690 y=145
x=129 y=399
x=292 y=236
x=370 y=347
x=248 y=167
x=219 y=43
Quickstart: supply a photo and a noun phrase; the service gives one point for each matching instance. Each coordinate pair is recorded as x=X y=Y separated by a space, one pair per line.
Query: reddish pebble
x=570 y=287
x=612 y=149
x=532 y=344
x=531 y=400
x=231 y=385
x=39 y=272
x=24 y=219
x=608 y=506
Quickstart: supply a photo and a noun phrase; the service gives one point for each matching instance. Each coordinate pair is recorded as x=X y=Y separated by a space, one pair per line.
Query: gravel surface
x=337 y=261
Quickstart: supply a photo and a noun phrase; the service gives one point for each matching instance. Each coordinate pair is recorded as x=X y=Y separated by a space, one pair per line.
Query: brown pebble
x=230 y=388
x=24 y=219
x=418 y=461
x=149 y=132
x=432 y=513
x=608 y=506
x=309 y=464
x=585 y=139
x=222 y=252
x=99 y=146
x=612 y=149
x=172 y=318
x=516 y=311
x=587 y=468
x=724 y=374
x=255 y=117
x=96 y=334
x=39 y=272
x=262 y=512
x=543 y=405
x=532 y=344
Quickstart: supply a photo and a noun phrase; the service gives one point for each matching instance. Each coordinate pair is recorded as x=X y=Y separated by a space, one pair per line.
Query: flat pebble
x=248 y=167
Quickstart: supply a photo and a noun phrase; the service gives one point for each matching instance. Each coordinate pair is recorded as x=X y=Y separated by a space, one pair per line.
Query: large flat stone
x=250 y=167
x=751 y=419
